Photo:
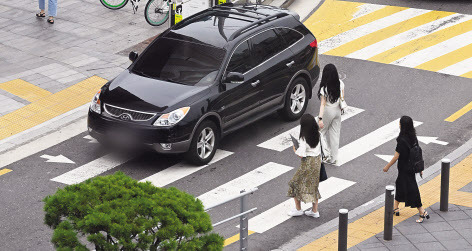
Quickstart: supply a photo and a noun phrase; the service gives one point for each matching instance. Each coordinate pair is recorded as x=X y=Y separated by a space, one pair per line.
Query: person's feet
x=295 y=213
x=41 y=14
x=51 y=20
x=422 y=217
x=312 y=214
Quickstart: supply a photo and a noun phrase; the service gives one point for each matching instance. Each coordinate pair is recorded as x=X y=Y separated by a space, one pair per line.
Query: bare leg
x=315 y=206
x=396 y=204
x=298 y=204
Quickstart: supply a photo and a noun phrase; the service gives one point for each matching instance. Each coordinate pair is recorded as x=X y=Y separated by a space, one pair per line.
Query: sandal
x=422 y=217
x=41 y=14
x=396 y=211
x=50 y=20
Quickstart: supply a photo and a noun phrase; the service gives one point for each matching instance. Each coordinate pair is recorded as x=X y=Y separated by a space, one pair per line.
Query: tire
x=155 y=13
x=114 y=4
x=196 y=154
x=290 y=111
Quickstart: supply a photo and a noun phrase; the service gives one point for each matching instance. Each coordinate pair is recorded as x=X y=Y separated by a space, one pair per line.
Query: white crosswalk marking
x=366 y=9
x=435 y=51
x=181 y=170
x=278 y=214
x=458 y=69
x=348 y=36
x=283 y=141
x=420 y=31
x=370 y=142
x=252 y=179
x=92 y=169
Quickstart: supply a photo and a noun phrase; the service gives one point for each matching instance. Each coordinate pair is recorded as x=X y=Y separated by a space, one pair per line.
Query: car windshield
x=180 y=62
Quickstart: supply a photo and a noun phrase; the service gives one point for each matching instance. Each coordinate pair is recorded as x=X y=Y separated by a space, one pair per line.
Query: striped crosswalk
x=430 y=40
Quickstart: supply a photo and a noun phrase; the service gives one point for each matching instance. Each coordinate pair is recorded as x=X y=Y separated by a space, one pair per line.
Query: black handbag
x=323 y=174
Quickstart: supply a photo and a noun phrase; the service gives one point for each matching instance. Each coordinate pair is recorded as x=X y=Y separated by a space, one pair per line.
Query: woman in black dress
x=406 y=188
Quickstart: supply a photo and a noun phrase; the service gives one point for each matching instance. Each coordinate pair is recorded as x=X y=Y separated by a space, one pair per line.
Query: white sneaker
x=312 y=214
x=295 y=212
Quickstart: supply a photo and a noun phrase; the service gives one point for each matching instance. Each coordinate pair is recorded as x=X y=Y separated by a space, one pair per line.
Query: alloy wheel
x=297 y=98
x=205 y=143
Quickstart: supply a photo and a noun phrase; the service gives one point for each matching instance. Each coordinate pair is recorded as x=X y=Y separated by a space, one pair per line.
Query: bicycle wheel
x=157 y=12
x=114 y=4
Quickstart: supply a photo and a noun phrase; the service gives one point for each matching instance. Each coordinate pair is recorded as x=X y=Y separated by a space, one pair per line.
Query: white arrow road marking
x=249 y=180
x=57 y=159
x=385 y=157
x=283 y=141
x=181 y=170
x=92 y=140
x=278 y=214
x=92 y=169
x=428 y=140
x=369 y=142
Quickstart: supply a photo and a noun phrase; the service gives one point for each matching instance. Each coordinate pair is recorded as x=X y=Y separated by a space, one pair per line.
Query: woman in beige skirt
x=304 y=184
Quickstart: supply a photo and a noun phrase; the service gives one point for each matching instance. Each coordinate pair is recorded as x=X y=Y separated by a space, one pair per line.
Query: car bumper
x=162 y=140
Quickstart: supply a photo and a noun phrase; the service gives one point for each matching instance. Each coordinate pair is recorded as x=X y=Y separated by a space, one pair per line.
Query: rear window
x=290 y=36
x=180 y=62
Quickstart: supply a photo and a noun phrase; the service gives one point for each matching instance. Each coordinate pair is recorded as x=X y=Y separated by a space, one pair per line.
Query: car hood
x=136 y=92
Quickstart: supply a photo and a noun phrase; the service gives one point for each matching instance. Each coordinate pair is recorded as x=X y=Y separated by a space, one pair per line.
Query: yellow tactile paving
x=235 y=238
x=48 y=107
x=24 y=90
x=459 y=113
x=372 y=224
x=4 y=171
x=385 y=33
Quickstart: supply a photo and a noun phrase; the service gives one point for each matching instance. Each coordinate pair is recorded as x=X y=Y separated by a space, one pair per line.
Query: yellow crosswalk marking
x=4 y=171
x=448 y=59
x=459 y=113
x=385 y=33
x=422 y=43
x=24 y=90
x=335 y=17
x=467 y=75
x=235 y=238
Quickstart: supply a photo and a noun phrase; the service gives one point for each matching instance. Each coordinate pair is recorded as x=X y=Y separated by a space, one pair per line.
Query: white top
x=305 y=150
x=328 y=103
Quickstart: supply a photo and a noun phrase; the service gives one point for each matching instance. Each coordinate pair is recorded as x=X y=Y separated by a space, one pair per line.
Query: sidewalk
x=450 y=230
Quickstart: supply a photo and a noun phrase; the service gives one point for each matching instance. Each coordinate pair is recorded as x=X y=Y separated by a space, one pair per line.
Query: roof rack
x=256 y=23
x=237 y=13
x=238 y=8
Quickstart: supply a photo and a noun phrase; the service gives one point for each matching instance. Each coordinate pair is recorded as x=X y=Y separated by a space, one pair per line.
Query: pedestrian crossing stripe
x=436 y=41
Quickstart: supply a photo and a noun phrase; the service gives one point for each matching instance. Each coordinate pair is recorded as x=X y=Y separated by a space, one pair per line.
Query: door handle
x=291 y=63
x=254 y=84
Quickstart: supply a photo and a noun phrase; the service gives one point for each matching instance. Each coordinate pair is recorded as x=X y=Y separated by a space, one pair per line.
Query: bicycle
x=156 y=12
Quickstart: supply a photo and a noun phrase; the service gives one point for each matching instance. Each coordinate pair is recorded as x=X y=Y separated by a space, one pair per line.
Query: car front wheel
x=296 y=100
x=204 y=144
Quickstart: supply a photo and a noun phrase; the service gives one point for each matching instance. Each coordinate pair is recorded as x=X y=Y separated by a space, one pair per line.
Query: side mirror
x=133 y=56
x=234 y=78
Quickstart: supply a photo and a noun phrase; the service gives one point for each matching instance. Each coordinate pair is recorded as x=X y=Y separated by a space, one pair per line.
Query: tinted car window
x=240 y=60
x=180 y=62
x=290 y=36
x=266 y=45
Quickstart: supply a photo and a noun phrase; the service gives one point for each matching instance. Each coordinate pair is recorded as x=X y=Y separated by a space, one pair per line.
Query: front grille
x=116 y=111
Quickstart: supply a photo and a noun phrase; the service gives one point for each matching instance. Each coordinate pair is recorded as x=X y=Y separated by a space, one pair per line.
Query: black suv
x=207 y=76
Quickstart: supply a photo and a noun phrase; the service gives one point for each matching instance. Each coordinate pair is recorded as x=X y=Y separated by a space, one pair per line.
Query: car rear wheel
x=204 y=143
x=296 y=100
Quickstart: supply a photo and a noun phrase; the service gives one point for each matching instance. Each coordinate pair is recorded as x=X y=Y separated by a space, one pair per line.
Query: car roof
x=221 y=24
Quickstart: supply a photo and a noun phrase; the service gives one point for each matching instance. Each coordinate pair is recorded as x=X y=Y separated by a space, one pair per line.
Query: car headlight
x=95 y=105
x=172 y=118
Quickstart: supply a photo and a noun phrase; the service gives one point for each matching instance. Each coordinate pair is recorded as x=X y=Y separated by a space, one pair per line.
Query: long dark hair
x=309 y=130
x=330 y=80
x=407 y=129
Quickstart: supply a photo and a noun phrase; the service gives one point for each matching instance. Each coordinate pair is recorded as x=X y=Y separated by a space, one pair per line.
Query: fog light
x=166 y=146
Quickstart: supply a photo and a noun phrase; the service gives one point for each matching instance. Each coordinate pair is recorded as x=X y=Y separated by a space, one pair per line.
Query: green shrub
x=118 y=213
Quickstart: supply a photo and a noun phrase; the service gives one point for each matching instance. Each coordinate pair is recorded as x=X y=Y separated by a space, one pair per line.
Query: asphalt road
x=384 y=92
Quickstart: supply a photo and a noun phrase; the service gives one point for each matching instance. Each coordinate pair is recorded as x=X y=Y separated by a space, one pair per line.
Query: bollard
x=342 y=232
x=444 y=201
x=388 y=219
x=243 y=223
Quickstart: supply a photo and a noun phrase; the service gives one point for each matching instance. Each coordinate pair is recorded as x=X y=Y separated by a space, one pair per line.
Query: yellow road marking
x=447 y=59
x=235 y=238
x=459 y=113
x=49 y=107
x=422 y=43
x=335 y=17
x=467 y=75
x=372 y=224
x=24 y=90
x=4 y=171
x=385 y=33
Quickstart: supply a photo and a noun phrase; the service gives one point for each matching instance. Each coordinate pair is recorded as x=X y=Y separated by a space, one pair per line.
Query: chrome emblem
x=125 y=117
